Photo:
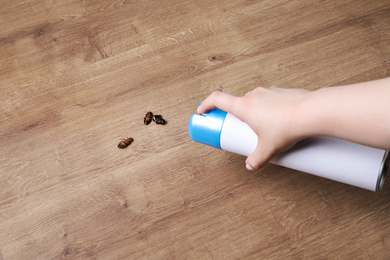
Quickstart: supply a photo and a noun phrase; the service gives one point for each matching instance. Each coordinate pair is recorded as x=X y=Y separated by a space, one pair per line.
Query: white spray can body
x=328 y=157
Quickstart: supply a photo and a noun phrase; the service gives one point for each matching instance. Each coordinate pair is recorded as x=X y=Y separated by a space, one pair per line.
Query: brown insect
x=159 y=120
x=125 y=142
x=148 y=118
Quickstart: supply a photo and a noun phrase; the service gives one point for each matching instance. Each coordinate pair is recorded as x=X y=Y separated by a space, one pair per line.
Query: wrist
x=315 y=110
x=307 y=116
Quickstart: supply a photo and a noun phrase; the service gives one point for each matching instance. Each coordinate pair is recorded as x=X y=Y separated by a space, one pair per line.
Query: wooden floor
x=78 y=76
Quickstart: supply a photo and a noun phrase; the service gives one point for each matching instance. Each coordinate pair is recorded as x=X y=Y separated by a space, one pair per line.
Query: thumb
x=258 y=158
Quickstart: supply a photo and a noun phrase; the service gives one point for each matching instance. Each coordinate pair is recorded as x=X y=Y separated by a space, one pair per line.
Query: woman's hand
x=272 y=113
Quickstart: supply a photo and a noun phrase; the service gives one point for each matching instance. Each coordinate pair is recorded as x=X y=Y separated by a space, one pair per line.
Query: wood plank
x=77 y=76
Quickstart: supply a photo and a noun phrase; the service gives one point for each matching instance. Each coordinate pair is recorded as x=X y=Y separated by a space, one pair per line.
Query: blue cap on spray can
x=206 y=128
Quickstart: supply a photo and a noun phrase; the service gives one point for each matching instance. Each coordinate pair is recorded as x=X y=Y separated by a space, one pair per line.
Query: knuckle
x=260 y=89
x=215 y=95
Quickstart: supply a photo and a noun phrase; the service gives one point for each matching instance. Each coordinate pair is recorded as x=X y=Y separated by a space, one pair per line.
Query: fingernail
x=249 y=167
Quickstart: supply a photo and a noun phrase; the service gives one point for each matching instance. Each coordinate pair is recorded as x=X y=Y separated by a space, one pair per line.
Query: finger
x=258 y=158
x=219 y=100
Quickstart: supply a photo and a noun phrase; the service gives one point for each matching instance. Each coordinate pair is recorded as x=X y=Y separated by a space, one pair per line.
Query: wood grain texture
x=78 y=76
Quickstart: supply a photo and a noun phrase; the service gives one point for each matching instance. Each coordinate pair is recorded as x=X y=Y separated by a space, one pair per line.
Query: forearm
x=358 y=113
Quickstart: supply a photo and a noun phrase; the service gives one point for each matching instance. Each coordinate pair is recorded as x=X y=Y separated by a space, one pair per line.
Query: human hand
x=273 y=113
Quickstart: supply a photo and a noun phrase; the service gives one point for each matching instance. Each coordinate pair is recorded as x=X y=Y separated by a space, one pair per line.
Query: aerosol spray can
x=328 y=157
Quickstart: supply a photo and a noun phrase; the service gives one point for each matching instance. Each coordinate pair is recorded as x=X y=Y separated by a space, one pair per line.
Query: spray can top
x=206 y=128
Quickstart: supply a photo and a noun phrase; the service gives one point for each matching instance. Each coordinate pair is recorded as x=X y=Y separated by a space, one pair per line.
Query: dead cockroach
x=148 y=118
x=159 y=120
x=125 y=142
